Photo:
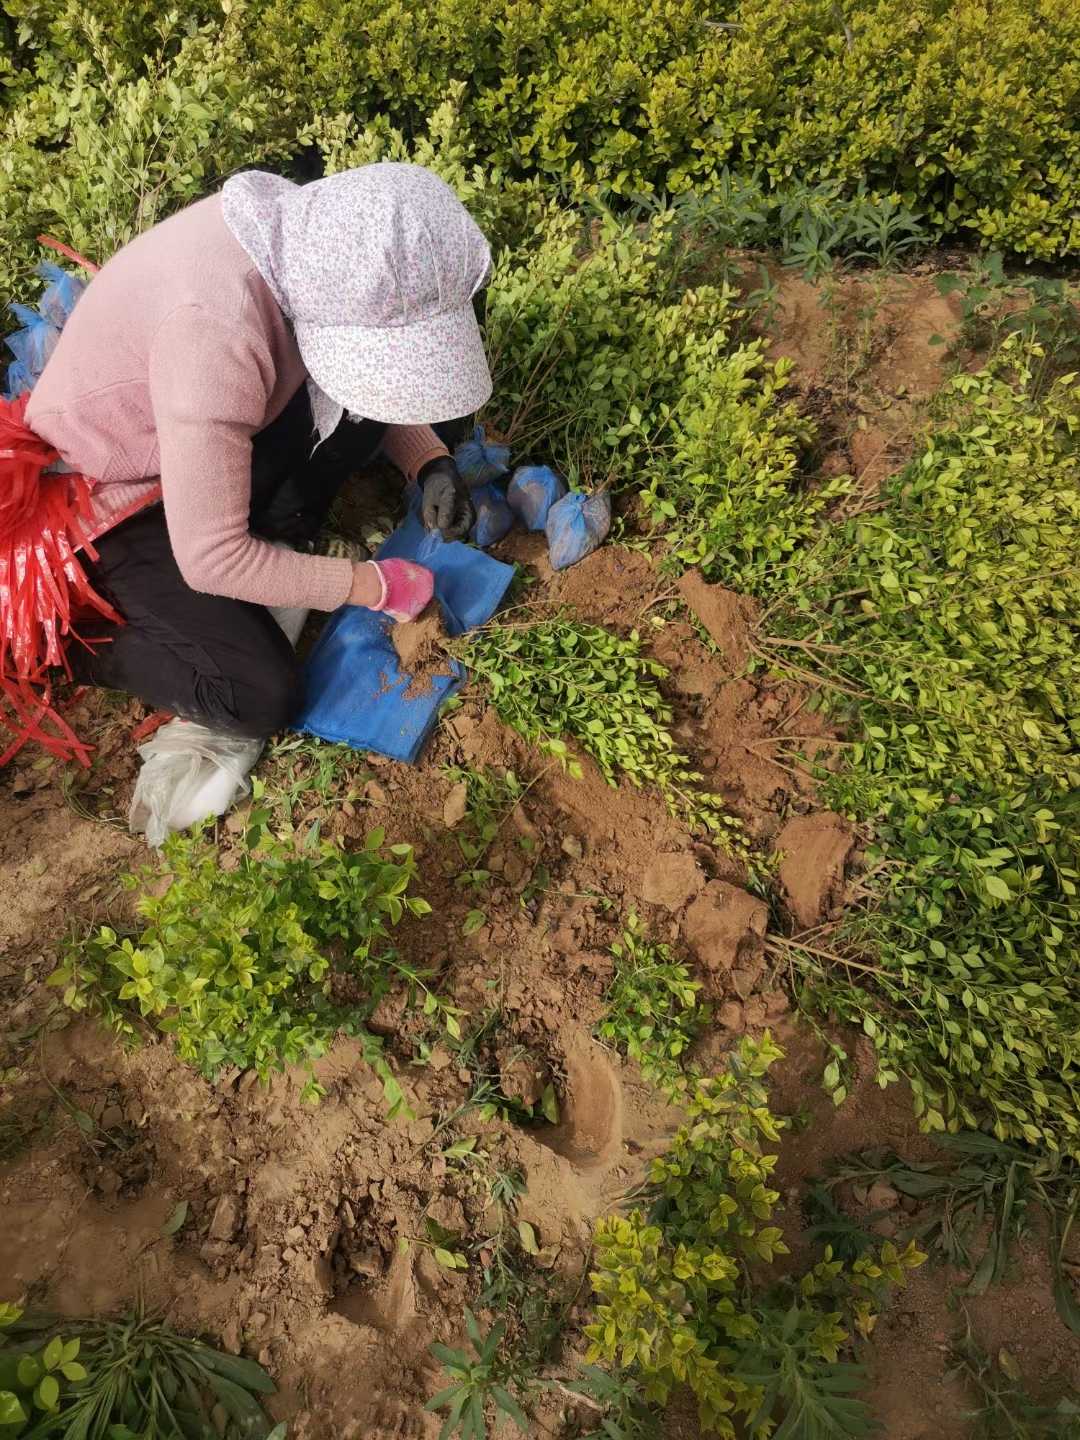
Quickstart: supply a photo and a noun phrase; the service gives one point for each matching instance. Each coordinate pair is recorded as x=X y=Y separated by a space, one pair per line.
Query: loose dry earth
x=290 y=1251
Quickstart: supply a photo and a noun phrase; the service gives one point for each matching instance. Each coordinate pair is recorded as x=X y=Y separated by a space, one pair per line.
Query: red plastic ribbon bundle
x=43 y=587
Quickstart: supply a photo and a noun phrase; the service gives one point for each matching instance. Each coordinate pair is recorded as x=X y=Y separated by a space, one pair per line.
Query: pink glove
x=407 y=588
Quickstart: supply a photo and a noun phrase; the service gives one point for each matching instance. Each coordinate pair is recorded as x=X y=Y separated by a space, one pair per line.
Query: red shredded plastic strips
x=69 y=253
x=43 y=587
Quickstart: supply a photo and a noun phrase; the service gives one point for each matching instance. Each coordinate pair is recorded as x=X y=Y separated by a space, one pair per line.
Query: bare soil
x=292 y=1247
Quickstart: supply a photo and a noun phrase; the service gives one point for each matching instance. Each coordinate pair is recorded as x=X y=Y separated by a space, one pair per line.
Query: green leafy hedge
x=951 y=616
x=965 y=112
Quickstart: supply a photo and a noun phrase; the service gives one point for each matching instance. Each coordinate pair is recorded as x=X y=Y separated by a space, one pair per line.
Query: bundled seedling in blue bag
x=494 y=518
x=532 y=492
x=480 y=462
x=576 y=525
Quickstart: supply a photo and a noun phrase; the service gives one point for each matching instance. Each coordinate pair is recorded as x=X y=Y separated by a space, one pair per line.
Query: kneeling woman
x=220 y=378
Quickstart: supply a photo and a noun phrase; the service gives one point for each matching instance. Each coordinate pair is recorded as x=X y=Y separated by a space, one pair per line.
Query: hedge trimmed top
x=968 y=113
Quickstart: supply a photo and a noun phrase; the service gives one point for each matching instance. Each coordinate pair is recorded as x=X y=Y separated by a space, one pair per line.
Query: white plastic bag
x=190 y=771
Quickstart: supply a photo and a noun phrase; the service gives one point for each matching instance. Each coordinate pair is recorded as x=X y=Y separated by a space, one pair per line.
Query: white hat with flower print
x=376 y=268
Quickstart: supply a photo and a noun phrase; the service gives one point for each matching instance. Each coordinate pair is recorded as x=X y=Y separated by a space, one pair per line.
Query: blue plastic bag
x=480 y=462
x=576 y=525
x=33 y=344
x=532 y=492
x=355 y=691
x=494 y=518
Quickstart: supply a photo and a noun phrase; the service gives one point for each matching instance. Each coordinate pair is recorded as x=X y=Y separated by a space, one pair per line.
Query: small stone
x=573 y=847
x=730 y=1015
x=374 y=793
x=457 y=802
x=226 y=1218
x=348 y=1214
x=515 y=869
x=294 y=1236
x=289 y=1255
x=882 y=1196
x=754 y=1012
x=230 y=1337
x=108 y=1181
x=440 y=1058
x=368 y=1263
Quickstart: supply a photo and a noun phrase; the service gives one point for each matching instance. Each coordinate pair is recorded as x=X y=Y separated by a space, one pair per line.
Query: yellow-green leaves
x=237 y=964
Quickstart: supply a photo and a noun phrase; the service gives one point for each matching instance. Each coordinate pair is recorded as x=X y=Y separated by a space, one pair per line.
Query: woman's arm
x=209 y=391
x=411 y=447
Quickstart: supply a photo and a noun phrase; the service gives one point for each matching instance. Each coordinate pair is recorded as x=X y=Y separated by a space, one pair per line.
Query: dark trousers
x=222 y=662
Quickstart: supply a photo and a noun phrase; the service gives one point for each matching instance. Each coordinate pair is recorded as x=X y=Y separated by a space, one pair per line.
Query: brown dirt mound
x=421 y=650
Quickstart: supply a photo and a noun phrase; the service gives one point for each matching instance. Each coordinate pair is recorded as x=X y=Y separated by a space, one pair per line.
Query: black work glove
x=447 y=505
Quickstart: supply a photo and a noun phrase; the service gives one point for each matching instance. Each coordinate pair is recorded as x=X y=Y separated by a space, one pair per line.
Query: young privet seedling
x=561 y=678
x=678 y=1299
x=979 y=1201
x=262 y=965
x=125 y=1380
x=479 y=1382
x=651 y=1007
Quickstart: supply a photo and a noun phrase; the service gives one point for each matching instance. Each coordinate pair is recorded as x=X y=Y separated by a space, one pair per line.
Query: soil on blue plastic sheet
x=292 y=1251
x=421 y=650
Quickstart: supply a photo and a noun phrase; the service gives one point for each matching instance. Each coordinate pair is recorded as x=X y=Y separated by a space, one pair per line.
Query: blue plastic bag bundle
x=576 y=525
x=480 y=462
x=355 y=690
x=494 y=518
x=32 y=345
x=532 y=492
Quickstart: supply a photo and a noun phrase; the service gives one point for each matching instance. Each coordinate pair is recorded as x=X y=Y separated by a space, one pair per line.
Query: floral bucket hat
x=376 y=268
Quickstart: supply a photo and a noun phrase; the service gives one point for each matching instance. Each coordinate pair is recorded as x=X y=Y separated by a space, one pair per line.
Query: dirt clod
x=226 y=1218
x=522 y=1076
x=724 y=927
x=420 y=651
x=671 y=880
x=728 y=617
x=816 y=849
x=455 y=805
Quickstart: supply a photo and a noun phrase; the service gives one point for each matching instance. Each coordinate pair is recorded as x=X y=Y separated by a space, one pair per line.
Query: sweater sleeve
x=410 y=447
x=209 y=386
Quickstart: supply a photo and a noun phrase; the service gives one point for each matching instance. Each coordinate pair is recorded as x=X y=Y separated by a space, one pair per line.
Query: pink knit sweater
x=173 y=359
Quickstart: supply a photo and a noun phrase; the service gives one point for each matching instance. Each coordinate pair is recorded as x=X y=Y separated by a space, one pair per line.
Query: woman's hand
x=398 y=588
x=447 y=505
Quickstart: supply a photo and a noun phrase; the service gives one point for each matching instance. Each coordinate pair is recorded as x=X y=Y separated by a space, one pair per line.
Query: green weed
x=979 y=1201
x=1003 y=1408
x=995 y=305
x=119 y=1380
x=651 y=1008
x=486 y=1378
x=942 y=627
